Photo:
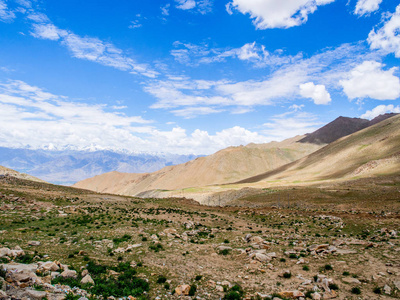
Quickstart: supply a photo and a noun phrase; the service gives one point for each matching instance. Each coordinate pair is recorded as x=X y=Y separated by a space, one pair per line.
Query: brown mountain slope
x=371 y=151
x=9 y=172
x=228 y=165
x=340 y=127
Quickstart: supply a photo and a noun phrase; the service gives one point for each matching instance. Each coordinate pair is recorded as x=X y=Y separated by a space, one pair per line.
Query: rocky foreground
x=62 y=243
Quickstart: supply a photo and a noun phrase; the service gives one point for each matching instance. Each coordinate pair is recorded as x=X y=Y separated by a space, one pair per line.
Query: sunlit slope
x=10 y=172
x=371 y=151
x=228 y=165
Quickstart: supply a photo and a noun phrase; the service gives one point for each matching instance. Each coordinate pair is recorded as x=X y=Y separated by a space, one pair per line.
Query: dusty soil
x=251 y=243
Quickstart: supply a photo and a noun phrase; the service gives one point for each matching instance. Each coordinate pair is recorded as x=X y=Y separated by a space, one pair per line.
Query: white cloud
x=6 y=15
x=92 y=49
x=165 y=9
x=379 y=110
x=185 y=4
x=47 y=32
x=387 y=37
x=369 y=80
x=365 y=7
x=285 y=126
x=324 y=70
x=194 y=55
x=201 y=6
x=316 y=92
x=41 y=119
x=279 y=86
x=191 y=112
x=135 y=24
x=277 y=13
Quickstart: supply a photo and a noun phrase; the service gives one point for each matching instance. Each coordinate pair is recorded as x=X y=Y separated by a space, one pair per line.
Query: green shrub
x=377 y=290
x=192 y=290
x=96 y=269
x=345 y=273
x=328 y=267
x=287 y=275
x=71 y=296
x=333 y=286
x=306 y=268
x=234 y=293
x=356 y=291
x=224 y=252
x=161 y=279
x=198 y=277
x=282 y=259
x=292 y=255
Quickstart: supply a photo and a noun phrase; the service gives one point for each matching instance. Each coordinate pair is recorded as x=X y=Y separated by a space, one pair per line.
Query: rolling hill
x=369 y=152
x=9 y=172
x=228 y=165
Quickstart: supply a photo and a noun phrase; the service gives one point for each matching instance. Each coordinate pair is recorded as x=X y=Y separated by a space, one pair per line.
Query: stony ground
x=333 y=242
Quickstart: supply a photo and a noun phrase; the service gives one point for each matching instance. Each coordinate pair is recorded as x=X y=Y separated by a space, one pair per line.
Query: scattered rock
x=182 y=290
x=387 y=289
x=69 y=274
x=291 y=294
x=87 y=279
x=351 y=280
x=34 y=243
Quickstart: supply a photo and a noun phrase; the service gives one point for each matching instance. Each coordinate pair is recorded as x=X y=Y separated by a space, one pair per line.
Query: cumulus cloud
x=370 y=80
x=379 y=110
x=277 y=13
x=365 y=7
x=41 y=119
x=316 y=92
x=324 y=70
x=6 y=15
x=387 y=38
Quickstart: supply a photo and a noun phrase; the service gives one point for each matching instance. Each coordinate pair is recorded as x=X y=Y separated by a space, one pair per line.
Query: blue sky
x=191 y=76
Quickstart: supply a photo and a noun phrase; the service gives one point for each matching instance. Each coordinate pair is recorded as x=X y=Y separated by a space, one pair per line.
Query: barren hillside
x=371 y=151
x=9 y=172
x=228 y=165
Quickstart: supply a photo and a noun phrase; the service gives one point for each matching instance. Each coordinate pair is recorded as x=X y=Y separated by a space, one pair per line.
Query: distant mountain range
x=69 y=166
x=299 y=159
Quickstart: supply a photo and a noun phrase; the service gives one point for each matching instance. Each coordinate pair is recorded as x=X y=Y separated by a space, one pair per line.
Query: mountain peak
x=340 y=127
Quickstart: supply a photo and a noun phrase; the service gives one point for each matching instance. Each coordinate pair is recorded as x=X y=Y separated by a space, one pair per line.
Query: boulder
x=49 y=266
x=5 y=252
x=182 y=290
x=87 y=279
x=387 y=289
x=34 y=243
x=351 y=280
x=261 y=257
x=316 y=296
x=291 y=294
x=36 y=295
x=222 y=248
x=69 y=274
